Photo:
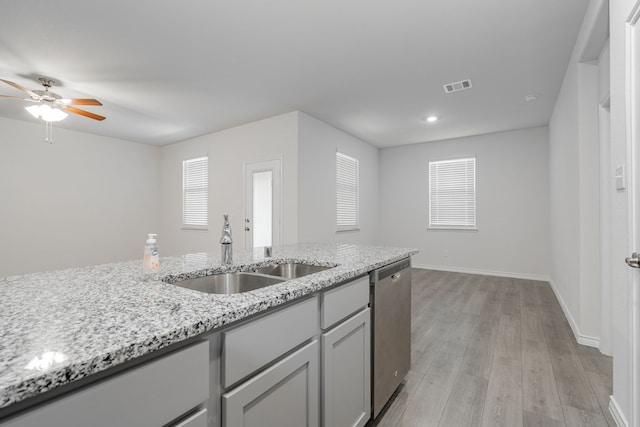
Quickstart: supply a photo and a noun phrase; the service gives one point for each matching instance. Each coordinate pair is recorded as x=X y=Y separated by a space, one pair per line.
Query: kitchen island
x=61 y=327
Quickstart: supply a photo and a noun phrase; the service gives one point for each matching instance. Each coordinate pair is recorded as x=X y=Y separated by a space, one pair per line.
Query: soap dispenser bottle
x=151 y=262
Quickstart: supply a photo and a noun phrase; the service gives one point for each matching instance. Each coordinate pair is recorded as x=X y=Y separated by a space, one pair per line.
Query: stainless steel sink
x=235 y=283
x=229 y=283
x=291 y=270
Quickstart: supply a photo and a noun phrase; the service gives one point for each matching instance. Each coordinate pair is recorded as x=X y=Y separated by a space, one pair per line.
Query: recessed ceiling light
x=531 y=97
x=431 y=119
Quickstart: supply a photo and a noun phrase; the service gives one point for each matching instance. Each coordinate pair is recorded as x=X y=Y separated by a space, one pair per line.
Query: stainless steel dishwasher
x=391 y=330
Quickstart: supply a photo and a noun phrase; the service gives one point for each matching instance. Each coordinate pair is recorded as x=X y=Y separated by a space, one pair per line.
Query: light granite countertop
x=60 y=326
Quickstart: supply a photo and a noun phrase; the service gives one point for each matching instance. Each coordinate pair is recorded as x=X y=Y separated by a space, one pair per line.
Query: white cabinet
x=346 y=355
x=271 y=377
x=326 y=382
x=251 y=346
x=152 y=394
x=286 y=394
x=343 y=300
x=346 y=373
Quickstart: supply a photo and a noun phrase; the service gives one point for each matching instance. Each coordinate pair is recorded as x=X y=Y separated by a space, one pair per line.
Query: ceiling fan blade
x=13 y=97
x=83 y=113
x=22 y=88
x=80 y=101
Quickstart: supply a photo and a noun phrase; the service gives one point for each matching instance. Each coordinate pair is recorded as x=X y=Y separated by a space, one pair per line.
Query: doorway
x=262 y=203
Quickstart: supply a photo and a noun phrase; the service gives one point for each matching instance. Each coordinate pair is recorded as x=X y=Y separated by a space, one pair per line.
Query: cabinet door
x=346 y=367
x=284 y=395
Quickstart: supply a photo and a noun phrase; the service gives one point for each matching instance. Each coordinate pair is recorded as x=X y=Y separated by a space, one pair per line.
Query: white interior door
x=262 y=198
x=633 y=141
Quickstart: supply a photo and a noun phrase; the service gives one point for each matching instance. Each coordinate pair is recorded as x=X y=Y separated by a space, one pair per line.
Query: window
x=262 y=207
x=452 y=194
x=195 y=193
x=347 y=192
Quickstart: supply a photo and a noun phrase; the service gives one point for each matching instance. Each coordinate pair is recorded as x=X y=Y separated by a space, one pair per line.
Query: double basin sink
x=233 y=283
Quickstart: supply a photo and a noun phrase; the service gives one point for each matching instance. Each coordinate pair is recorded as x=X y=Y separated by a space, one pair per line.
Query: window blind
x=452 y=194
x=347 y=192
x=195 y=193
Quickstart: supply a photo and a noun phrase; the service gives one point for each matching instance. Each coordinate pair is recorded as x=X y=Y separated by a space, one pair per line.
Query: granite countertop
x=61 y=326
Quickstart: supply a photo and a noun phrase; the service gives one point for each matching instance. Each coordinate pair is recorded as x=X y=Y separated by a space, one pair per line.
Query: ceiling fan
x=50 y=106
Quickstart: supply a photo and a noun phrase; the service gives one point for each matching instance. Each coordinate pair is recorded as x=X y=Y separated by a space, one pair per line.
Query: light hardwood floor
x=493 y=351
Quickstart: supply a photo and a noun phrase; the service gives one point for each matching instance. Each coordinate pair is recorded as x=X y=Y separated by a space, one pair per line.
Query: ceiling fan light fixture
x=46 y=113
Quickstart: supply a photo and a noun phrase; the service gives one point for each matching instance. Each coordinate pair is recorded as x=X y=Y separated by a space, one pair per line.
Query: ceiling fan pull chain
x=48 y=132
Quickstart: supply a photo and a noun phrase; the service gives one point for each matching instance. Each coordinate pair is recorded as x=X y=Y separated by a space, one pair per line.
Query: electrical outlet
x=446 y=253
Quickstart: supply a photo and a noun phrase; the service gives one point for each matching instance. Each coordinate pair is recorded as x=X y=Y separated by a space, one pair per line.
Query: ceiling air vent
x=454 y=87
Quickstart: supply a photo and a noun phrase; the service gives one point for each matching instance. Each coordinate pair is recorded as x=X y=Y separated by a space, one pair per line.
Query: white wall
x=575 y=183
x=228 y=151
x=80 y=201
x=590 y=273
x=606 y=190
x=564 y=195
x=318 y=143
x=512 y=204
x=567 y=134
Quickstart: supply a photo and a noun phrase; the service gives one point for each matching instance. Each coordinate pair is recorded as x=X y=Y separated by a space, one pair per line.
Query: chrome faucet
x=226 y=242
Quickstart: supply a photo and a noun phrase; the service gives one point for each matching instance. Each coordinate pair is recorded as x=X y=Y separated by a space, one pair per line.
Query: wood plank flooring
x=493 y=351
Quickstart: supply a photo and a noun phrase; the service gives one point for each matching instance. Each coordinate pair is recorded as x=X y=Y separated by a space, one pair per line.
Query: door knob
x=247 y=229
x=633 y=261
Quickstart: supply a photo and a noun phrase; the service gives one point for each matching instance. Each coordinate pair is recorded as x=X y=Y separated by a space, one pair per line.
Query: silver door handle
x=395 y=277
x=633 y=261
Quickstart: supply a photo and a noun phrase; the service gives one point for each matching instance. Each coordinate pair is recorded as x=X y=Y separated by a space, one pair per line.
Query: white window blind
x=452 y=194
x=195 y=193
x=347 y=192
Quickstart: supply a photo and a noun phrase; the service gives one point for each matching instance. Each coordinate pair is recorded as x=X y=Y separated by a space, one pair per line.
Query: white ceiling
x=170 y=70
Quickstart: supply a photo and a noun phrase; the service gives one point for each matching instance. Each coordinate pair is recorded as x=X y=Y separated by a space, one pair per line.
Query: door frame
x=275 y=165
x=604 y=136
x=632 y=81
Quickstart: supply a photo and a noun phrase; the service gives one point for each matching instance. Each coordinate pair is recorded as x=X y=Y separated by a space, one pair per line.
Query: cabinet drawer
x=151 y=395
x=199 y=419
x=249 y=347
x=344 y=300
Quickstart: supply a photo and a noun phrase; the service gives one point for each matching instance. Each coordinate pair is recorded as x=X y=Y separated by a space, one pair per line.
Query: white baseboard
x=481 y=272
x=616 y=413
x=580 y=338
